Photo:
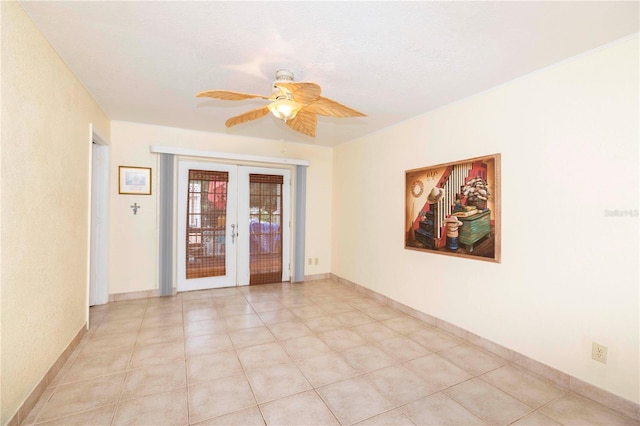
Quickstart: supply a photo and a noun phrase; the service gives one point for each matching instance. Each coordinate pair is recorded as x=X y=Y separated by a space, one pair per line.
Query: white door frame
x=230 y=279
x=98 y=259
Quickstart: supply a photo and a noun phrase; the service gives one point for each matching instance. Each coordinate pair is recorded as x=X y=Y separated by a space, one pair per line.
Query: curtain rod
x=225 y=155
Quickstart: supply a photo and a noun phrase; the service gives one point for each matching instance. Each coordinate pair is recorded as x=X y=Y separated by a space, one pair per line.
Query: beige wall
x=44 y=188
x=568 y=136
x=133 y=239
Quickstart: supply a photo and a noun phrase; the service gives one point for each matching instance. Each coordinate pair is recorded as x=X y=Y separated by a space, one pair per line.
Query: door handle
x=233 y=233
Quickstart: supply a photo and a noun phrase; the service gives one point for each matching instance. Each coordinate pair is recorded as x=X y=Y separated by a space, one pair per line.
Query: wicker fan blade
x=328 y=107
x=228 y=95
x=247 y=116
x=304 y=122
x=302 y=93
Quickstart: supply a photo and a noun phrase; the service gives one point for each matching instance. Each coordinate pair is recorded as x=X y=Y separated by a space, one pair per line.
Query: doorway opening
x=98 y=291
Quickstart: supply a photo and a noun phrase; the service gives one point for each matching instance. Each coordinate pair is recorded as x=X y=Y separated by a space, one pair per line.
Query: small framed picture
x=134 y=180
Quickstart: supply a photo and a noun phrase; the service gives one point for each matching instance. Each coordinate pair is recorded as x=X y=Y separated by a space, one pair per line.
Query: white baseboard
x=118 y=297
x=317 y=277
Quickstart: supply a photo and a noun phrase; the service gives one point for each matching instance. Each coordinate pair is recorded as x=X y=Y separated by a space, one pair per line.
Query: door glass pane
x=206 y=220
x=265 y=228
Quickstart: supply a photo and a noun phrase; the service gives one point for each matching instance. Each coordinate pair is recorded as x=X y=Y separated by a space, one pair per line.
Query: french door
x=233 y=225
x=263 y=209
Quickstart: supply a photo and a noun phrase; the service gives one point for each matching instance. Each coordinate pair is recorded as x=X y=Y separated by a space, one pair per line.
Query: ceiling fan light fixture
x=285 y=109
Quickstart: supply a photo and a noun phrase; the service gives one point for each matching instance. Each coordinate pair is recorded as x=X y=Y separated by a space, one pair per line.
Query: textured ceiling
x=145 y=61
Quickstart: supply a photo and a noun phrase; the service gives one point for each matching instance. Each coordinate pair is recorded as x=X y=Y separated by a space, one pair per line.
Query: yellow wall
x=568 y=136
x=44 y=189
x=133 y=239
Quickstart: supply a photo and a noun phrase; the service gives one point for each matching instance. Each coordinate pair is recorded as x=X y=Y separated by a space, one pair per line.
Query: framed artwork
x=134 y=180
x=454 y=208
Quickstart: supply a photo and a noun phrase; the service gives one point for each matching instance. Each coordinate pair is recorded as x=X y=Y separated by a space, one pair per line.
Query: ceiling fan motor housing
x=284 y=75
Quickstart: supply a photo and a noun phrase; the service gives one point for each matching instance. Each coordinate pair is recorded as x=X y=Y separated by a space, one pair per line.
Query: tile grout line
x=246 y=377
x=565 y=392
x=186 y=364
x=126 y=373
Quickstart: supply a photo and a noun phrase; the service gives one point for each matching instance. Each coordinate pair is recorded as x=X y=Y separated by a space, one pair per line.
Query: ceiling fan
x=295 y=103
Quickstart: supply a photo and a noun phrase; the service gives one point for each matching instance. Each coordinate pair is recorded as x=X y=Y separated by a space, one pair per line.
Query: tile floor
x=315 y=353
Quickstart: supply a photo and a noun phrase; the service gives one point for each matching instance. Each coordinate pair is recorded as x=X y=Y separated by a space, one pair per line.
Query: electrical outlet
x=310 y=262
x=599 y=352
x=316 y=261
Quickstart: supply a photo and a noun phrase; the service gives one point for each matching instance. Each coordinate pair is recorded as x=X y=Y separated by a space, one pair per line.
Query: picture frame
x=454 y=209
x=134 y=180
